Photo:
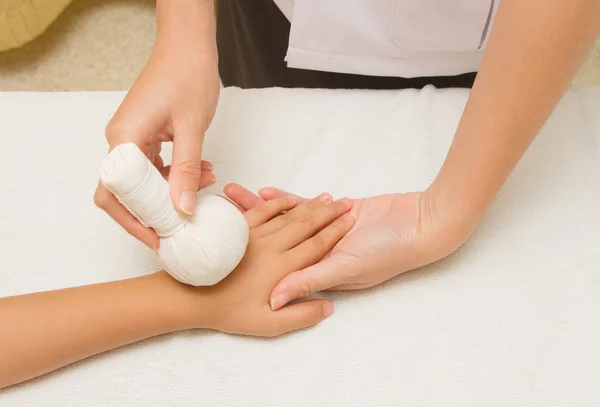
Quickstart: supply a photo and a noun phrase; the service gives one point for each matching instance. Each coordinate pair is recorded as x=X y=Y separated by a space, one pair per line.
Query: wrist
x=187 y=24
x=189 y=307
x=176 y=303
x=464 y=188
x=454 y=213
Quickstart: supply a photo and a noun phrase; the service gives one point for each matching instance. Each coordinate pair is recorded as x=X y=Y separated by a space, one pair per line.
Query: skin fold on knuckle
x=318 y=243
x=287 y=217
x=308 y=221
x=340 y=228
x=276 y=206
x=307 y=288
x=192 y=168
x=101 y=199
x=340 y=207
x=312 y=316
x=115 y=131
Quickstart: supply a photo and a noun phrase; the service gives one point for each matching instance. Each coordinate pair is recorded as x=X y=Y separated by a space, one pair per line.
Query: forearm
x=534 y=51
x=44 y=331
x=188 y=22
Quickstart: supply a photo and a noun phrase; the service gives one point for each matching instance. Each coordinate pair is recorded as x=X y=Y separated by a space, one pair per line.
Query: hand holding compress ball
x=199 y=249
x=173 y=100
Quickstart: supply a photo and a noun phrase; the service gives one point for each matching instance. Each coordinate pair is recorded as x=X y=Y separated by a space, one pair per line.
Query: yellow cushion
x=23 y=20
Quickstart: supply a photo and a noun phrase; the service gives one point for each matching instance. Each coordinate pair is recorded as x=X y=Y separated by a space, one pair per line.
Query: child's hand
x=91 y=319
x=279 y=245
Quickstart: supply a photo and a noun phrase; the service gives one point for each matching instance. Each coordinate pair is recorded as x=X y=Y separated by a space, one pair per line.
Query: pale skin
x=52 y=329
x=535 y=49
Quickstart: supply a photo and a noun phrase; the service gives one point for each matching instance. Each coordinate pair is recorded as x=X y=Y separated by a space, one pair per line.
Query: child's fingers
x=206 y=179
x=242 y=197
x=268 y=210
x=312 y=250
x=276 y=224
x=310 y=222
x=302 y=315
x=269 y=193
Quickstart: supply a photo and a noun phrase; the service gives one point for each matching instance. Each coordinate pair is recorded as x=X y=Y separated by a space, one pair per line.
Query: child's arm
x=44 y=331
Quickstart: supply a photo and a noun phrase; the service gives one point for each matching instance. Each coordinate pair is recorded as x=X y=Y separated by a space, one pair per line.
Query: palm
x=383 y=241
x=392 y=234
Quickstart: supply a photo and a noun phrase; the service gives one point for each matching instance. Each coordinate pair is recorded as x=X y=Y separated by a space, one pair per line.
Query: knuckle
x=192 y=168
x=283 y=203
x=101 y=199
x=308 y=287
x=287 y=217
x=339 y=227
x=308 y=220
x=311 y=317
x=318 y=242
x=274 y=205
x=113 y=130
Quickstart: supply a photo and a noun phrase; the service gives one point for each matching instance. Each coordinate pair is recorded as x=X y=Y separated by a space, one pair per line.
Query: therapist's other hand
x=173 y=100
x=279 y=245
x=391 y=235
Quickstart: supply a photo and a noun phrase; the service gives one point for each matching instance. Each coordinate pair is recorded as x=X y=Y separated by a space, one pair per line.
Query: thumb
x=299 y=284
x=302 y=315
x=186 y=168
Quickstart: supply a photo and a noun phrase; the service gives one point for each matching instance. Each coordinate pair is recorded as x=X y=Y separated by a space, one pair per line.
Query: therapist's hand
x=174 y=99
x=392 y=234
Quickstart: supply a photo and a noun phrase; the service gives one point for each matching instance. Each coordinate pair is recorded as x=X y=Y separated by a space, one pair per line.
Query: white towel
x=512 y=319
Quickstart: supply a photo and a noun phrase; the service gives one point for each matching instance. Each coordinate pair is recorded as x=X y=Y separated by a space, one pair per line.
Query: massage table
x=511 y=319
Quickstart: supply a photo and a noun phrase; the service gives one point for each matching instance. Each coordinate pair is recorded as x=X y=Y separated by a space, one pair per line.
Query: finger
x=241 y=196
x=281 y=221
x=111 y=205
x=310 y=223
x=268 y=210
x=186 y=168
x=207 y=179
x=312 y=250
x=159 y=163
x=205 y=166
x=165 y=172
x=321 y=276
x=348 y=287
x=302 y=315
x=272 y=193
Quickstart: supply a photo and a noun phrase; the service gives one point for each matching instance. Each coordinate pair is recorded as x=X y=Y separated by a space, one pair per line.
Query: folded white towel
x=512 y=319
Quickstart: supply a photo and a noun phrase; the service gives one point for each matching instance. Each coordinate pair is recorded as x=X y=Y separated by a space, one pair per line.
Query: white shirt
x=406 y=38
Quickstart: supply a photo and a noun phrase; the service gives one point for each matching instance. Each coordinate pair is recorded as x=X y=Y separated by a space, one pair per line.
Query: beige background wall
x=103 y=45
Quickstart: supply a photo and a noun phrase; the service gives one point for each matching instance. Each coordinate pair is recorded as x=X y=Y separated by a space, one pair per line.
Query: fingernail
x=327 y=310
x=325 y=197
x=187 y=202
x=291 y=198
x=209 y=166
x=279 y=301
